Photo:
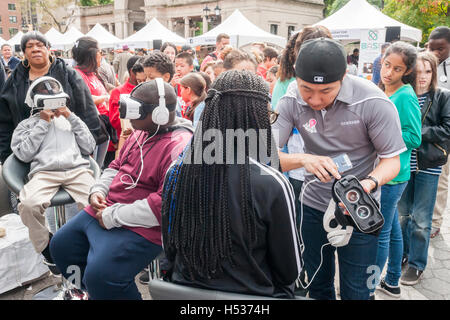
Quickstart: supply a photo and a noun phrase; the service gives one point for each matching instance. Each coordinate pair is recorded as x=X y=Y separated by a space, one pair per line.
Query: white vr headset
x=135 y=109
x=54 y=99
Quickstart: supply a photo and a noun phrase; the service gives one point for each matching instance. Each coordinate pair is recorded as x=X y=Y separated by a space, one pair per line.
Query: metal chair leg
x=154 y=270
x=60 y=216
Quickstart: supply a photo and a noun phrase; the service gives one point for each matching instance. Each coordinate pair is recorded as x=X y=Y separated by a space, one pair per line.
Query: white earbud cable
x=302 y=246
x=134 y=183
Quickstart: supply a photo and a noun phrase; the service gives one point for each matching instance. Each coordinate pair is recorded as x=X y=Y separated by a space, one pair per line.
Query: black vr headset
x=364 y=210
x=135 y=109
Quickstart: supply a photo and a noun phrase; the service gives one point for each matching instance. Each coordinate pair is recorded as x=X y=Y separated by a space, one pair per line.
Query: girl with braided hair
x=229 y=224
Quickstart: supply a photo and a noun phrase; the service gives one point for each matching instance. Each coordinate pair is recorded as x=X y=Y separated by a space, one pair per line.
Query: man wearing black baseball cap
x=338 y=114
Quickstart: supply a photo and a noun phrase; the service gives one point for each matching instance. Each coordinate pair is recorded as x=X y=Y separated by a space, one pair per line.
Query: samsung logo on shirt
x=349 y=123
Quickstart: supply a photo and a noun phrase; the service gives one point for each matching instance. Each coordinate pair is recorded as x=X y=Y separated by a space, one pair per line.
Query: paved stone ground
x=27 y=292
x=435 y=284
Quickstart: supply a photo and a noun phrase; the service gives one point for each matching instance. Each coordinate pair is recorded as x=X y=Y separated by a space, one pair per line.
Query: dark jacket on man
x=433 y=151
x=2 y=76
x=13 y=62
x=13 y=108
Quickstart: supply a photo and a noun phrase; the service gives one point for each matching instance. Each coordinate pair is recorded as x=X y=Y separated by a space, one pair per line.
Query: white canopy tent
x=16 y=39
x=241 y=32
x=154 y=30
x=357 y=15
x=55 y=37
x=104 y=37
x=2 y=41
x=68 y=38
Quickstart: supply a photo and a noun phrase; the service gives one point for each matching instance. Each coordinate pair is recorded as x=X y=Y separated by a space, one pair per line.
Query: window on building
x=1 y=30
x=291 y=30
x=13 y=31
x=274 y=28
x=13 y=19
x=11 y=6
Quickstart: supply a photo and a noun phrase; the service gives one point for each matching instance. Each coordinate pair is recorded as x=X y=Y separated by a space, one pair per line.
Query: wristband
x=374 y=180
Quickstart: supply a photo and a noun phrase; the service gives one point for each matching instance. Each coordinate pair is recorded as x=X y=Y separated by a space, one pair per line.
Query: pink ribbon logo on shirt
x=310 y=126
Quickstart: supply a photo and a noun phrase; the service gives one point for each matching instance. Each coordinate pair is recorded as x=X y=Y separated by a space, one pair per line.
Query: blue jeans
x=390 y=241
x=354 y=260
x=108 y=260
x=416 y=212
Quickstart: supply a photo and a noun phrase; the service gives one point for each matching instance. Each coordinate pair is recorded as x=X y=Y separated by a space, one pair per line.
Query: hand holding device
x=369 y=185
x=52 y=103
x=46 y=115
x=62 y=111
x=363 y=210
x=325 y=167
x=322 y=167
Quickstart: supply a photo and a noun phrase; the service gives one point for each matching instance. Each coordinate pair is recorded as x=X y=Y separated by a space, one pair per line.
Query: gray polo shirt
x=363 y=123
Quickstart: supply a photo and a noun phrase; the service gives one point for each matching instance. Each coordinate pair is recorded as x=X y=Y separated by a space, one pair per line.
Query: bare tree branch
x=61 y=22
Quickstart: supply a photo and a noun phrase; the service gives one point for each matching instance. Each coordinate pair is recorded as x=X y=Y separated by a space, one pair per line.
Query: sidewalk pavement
x=27 y=292
x=435 y=284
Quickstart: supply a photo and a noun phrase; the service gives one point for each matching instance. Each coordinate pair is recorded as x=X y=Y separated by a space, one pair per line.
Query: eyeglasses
x=273 y=116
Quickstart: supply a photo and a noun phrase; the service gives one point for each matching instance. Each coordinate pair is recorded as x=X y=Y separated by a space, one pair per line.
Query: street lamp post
x=206 y=11
x=213 y=18
x=217 y=11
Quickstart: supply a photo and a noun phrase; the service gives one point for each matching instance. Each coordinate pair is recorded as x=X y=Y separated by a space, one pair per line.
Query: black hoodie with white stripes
x=272 y=267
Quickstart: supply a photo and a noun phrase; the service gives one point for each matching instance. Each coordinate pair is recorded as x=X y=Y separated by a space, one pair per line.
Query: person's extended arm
x=317 y=165
x=386 y=170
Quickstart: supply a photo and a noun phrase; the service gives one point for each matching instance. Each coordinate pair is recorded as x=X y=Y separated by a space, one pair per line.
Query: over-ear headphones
x=132 y=108
x=160 y=114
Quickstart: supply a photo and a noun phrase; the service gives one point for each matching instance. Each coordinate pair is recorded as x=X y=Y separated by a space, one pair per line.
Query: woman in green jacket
x=418 y=200
x=397 y=75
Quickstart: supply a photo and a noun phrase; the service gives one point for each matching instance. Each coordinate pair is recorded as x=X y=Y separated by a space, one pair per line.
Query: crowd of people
x=172 y=186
